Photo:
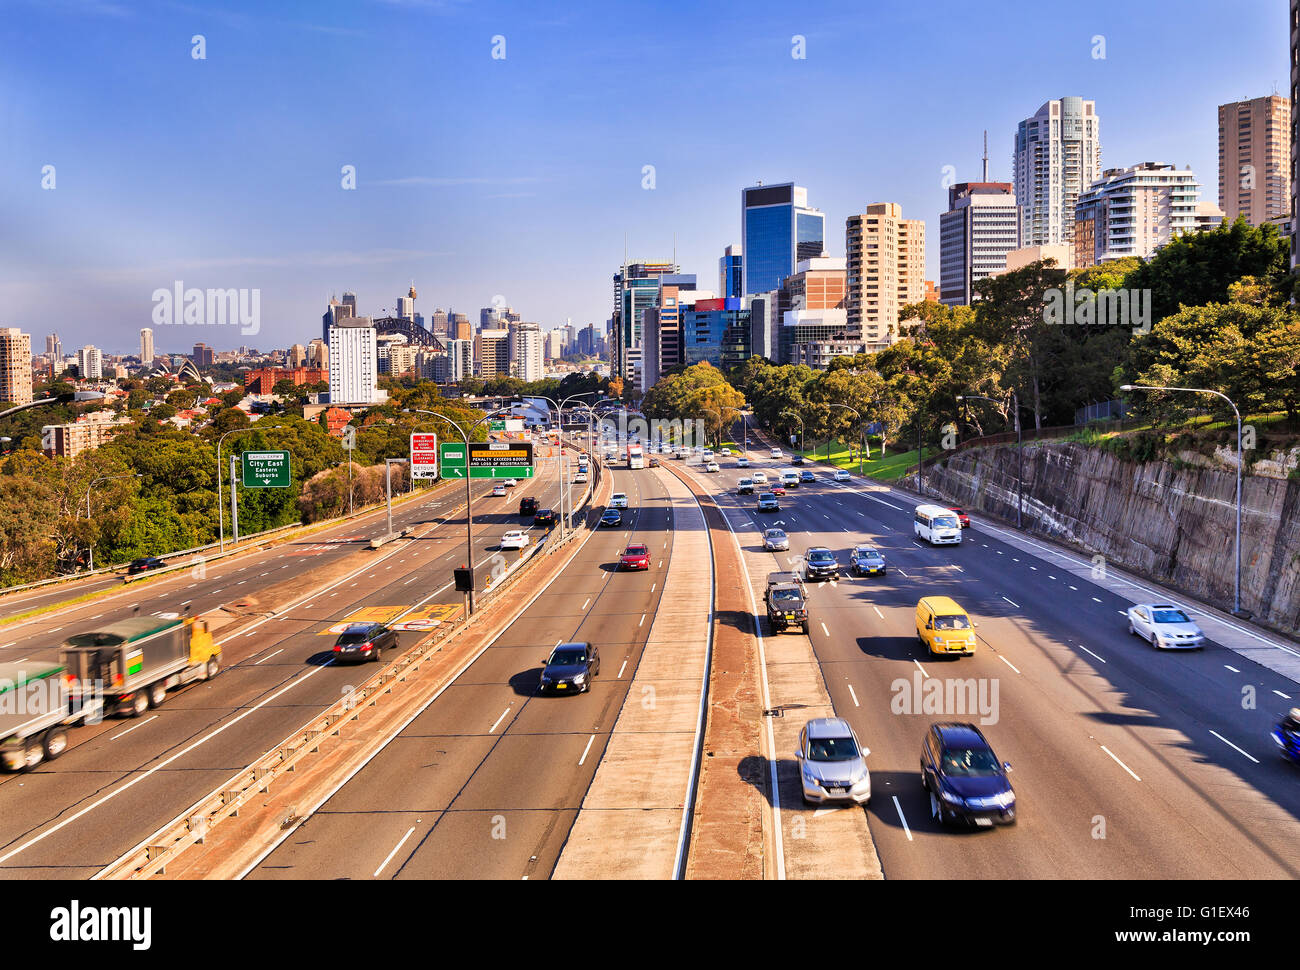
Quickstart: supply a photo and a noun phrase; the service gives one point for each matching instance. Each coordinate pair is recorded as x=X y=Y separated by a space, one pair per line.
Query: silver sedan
x=1165 y=626
x=775 y=540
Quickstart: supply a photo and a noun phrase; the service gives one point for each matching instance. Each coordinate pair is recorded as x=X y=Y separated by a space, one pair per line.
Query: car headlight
x=579 y=678
x=948 y=796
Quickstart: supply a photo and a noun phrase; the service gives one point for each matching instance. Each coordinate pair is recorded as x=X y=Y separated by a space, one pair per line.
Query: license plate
x=561 y=686
x=983 y=821
x=836 y=790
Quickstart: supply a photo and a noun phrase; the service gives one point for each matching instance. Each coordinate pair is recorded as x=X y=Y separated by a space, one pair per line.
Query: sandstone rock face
x=1175 y=525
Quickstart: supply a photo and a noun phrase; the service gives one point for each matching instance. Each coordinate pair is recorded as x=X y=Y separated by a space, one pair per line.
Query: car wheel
x=377 y=655
x=139 y=703
x=214 y=665
x=806 y=628
x=33 y=754
x=1131 y=632
x=157 y=693
x=55 y=743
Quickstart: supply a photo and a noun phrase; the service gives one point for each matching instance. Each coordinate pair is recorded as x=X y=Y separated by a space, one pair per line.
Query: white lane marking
x=1234 y=747
x=584 y=605
x=899 y=808
x=585 y=750
x=1034 y=568
x=652 y=587
x=854 y=696
x=920 y=668
x=620 y=671
x=389 y=858
x=130 y=729
x=901 y=573
x=1090 y=653
x=878 y=613
x=1120 y=763
x=1008 y=662
x=824 y=630
x=54 y=629
x=410 y=581
x=1094 y=599
x=1280 y=694
x=1075 y=588
x=642 y=620
x=1050 y=576
x=1233 y=669
x=268 y=657
x=1014 y=559
x=7 y=645
x=501 y=718
x=661 y=564
x=1016 y=605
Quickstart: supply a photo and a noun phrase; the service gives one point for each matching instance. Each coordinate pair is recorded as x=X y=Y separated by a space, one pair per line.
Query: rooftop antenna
x=986 y=155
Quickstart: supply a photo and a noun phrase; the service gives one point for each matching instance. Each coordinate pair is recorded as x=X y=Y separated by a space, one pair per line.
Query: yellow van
x=943 y=627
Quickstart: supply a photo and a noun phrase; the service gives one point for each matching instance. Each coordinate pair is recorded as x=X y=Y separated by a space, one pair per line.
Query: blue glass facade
x=810 y=235
x=720 y=337
x=769 y=250
x=730 y=270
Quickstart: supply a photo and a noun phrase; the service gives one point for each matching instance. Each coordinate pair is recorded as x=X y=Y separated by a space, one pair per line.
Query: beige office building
x=1255 y=159
x=492 y=353
x=885 y=272
x=15 y=366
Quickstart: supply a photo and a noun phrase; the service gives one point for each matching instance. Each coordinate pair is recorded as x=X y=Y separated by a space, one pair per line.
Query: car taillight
x=367 y=646
x=337 y=648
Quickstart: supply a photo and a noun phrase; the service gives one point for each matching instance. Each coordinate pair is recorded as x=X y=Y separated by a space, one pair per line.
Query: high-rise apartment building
x=636 y=289
x=1255 y=158
x=981 y=226
x=731 y=272
x=1057 y=157
x=438 y=323
x=1133 y=212
x=15 y=366
x=491 y=353
x=90 y=363
x=146 y=346
x=526 y=354
x=202 y=355
x=354 y=362
x=460 y=359
x=554 y=343
x=885 y=262
x=778 y=230
x=459 y=327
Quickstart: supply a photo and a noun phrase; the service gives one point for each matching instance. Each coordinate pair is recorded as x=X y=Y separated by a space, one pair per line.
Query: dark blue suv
x=965 y=780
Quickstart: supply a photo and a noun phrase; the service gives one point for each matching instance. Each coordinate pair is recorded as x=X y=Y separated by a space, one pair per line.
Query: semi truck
x=125 y=667
x=635 y=456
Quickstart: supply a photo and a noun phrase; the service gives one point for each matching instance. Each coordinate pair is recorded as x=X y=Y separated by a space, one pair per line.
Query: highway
x=1127 y=762
x=122 y=779
x=485 y=783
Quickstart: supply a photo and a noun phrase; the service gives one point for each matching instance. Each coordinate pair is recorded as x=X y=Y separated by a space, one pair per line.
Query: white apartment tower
x=1133 y=212
x=15 y=366
x=981 y=226
x=526 y=351
x=354 y=361
x=1057 y=157
x=146 y=346
x=90 y=363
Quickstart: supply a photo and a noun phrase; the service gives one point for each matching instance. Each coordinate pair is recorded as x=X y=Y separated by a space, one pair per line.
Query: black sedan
x=612 y=517
x=570 y=668
x=544 y=517
x=966 y=782
x=364 y=641
x=143 y=565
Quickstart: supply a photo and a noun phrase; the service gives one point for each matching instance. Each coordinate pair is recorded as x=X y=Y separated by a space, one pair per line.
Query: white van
x=790 y=479
x=776 y=453
x=937 y=525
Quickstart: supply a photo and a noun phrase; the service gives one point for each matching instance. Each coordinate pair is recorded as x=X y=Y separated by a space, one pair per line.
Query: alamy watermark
x=950 y=697
x=212 y=307
x=1083 y=306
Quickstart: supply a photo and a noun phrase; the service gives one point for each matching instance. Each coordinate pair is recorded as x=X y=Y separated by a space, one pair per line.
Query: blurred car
x=819 y=564
x=1286 y=735
x=796 y=460
x=527 y=506
x=832 y=764
x=364 y=641
x=964 y=778
x=580 y=478
x=143 y=565
x=545 y=517
x=962 y=517
x=635 y=557
x=570 y=668
x=712 y=467
x=760 y=478
x=807 y=476
x=725 y=451
x=1165 y=626
x=654 y=462
x=510 y=483
x=514 y=539
x=778 y=489
x=775 y=540
x=498 y=490
x=742 y=462
x=843 y=476
x=776 y=453
x=611 y=517
x=866 y=561
x=745 y=486
x=767 y=503
x=618 y=500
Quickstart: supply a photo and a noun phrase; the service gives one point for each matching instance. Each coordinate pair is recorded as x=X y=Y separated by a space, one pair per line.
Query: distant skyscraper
x=90 y=363
x=526 y=354
x=15 y=366
x=731 y=274
x=886 y=271
x=53 y=346
x=491 y=352
x=636 y=289
x=1133 y=212
x=202 y=355
x=438 y=322
x=980 y=227
x=1255 y=159
x=146 y=346
x=297 y=356
x=354 y=361
x=458 y=327
x=1057 y=157
x=778 y=230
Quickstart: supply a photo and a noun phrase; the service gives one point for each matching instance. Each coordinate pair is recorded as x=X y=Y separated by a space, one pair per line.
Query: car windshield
x=832 y=749
x=951 y=623
x=1170 y=616
x=775 y=534
x=574 y=655
x=945 y=522
x=354 y=636
x=611 y=514
x=636 y=551
x=785 y=595
x=969 y=761
x=862 y=552
x=820 y=555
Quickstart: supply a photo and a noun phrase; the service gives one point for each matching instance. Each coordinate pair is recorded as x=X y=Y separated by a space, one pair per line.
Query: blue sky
x=522 y=177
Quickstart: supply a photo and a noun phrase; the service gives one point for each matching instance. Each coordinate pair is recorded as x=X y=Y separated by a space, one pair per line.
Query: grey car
x=832 y=764
x=775 y=540
x=1165 y=626
x=767 y=503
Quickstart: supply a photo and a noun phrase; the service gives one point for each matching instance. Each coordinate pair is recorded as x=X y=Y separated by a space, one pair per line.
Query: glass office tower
x=779 y=230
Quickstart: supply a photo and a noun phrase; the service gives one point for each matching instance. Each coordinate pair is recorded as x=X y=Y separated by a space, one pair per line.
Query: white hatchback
x=760 y=478
x=514 y=539
x=618 y=500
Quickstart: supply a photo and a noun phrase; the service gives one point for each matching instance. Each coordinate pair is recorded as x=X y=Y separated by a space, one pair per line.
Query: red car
x=962 y=517
x=635 y=557
x=777 y=488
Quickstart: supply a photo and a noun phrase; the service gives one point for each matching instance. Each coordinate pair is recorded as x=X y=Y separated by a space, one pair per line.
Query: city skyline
x=139 y=204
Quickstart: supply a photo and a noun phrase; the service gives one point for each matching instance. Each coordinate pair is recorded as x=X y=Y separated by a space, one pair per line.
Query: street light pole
x=1236 y=592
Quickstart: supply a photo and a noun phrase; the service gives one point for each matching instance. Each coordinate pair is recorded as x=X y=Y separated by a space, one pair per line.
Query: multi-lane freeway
x=121 y=779
x=1127 y=762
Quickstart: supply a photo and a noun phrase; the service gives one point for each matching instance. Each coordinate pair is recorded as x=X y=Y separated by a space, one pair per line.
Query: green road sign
x=265 y=469
x=497 y=425
x=495 y=459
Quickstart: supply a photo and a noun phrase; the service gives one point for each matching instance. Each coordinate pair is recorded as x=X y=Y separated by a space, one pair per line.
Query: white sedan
x=842 y=476
x=712 y=467
x=498 y=490
x=514 y=539
x=742 y=462
x=1165 y=626
x=510 y=483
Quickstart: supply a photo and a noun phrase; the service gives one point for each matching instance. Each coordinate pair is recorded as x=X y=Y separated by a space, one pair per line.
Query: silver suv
x=832 y=764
